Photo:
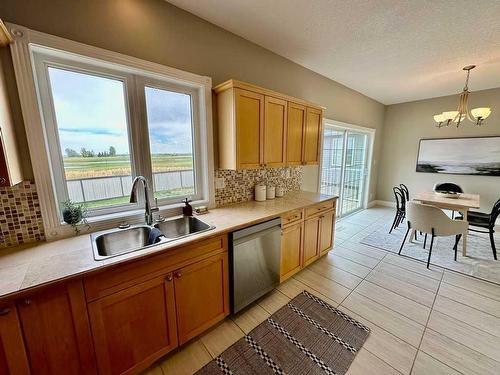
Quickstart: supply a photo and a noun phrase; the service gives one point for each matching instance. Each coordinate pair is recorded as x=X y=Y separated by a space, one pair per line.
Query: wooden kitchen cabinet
x=312 y=136
x=258 y=127
x=57 y=331
x=275 y=123
x=13 y=359
x=326 y=231
x=295 y=133
x=291 y=250
x=201 y=295
x=311 y=240
x=134 y=327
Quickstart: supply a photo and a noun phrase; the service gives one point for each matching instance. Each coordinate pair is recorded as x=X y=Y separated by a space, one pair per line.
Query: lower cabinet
x=134 y=327
x=13 y=359
x=201 y=295
x=304 y=241
x=311 y=234
x=291 y=250
x=137 y=325
x=56 y=330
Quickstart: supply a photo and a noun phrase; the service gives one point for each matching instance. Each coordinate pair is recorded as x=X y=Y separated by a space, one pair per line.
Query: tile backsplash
x=20 y=215
x=239 y=185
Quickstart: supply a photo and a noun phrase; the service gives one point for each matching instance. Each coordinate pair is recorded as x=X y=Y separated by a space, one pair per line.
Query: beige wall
x=157 y=31
x=406 y=123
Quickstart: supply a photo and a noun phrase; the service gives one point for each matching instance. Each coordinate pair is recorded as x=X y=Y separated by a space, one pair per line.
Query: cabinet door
x=312 y=136
x=275 y=132
x=201 y=295
x=295 y=133
x=57 y=332
x=13 y=360
x=326 y=231
x=134 y=327
x=249 y=108
x=311 y=233
x=291 y=250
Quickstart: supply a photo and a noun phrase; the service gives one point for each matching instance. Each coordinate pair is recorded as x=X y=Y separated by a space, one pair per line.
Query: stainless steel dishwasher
x=255 y=262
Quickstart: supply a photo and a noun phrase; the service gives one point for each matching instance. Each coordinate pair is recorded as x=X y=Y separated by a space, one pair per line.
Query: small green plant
x=74 y=214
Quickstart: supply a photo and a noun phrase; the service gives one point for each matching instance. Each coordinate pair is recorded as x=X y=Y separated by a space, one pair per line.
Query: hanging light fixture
x=476 y=115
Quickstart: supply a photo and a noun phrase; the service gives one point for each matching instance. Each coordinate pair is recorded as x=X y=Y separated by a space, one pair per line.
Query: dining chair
x=432 y=220
x=487 y=222
x=448 y=186
x=405 y=191
x=400 y=207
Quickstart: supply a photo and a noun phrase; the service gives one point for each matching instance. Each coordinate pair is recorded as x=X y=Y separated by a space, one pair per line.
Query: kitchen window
x=95 y=119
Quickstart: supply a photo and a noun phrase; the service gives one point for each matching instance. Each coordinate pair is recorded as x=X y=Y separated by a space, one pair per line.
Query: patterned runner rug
x=306 y=336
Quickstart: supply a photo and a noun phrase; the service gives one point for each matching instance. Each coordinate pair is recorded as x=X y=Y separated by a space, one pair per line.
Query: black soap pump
x=187 y=210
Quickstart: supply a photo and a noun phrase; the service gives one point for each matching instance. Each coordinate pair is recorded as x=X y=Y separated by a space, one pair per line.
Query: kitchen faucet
x=148 y=210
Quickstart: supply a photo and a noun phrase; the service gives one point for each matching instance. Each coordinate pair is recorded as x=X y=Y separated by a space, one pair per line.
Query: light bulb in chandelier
x=480 y=114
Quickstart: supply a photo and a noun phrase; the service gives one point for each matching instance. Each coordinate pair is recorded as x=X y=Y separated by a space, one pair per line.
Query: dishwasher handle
x=252 y=236
x=256 y=228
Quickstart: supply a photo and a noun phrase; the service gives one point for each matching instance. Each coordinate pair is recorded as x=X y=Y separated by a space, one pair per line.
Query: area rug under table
x=478 y=263
x=306 y=336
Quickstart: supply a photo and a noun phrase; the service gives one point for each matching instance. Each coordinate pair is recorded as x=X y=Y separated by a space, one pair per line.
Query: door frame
x=369 y=157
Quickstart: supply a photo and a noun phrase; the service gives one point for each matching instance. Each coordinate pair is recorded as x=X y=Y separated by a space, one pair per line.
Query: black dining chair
x=400 y=198
x=448 y=187
x=486 y=222
x=405 y=191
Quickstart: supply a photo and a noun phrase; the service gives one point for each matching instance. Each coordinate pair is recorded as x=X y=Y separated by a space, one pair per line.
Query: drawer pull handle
x=168 y=278
x=27 y=301
x=178 y=274
x=4 y=311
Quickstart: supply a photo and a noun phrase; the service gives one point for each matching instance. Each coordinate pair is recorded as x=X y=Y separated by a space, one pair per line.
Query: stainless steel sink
x=121 y=241
x=182 y=226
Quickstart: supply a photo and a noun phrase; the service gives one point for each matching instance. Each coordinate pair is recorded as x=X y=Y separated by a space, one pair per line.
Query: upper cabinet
x=262 y=128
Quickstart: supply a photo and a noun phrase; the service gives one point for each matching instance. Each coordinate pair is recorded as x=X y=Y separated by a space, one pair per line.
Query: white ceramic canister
x=260 y=193
x=280 y=191
x=270 y=192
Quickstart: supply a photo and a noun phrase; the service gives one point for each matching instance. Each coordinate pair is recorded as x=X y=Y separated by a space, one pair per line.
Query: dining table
x=462 y=203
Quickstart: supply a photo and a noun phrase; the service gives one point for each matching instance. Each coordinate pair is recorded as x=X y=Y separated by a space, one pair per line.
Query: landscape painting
x=466 y=156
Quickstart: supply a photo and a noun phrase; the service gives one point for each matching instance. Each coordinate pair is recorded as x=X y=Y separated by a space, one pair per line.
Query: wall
x=405 y=124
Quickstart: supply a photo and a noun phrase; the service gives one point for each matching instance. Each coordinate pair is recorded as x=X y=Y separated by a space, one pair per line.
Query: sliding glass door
x=345 y=167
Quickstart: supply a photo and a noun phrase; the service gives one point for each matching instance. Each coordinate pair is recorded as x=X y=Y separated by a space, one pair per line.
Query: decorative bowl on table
x=448 y=194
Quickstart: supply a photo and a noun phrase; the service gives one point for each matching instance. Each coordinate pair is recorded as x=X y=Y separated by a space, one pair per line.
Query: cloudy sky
x=90 y=113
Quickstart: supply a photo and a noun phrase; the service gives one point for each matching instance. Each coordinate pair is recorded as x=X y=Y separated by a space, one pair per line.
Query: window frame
x=29 y=45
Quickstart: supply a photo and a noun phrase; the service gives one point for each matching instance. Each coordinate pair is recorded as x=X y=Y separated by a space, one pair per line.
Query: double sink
x=121 y=241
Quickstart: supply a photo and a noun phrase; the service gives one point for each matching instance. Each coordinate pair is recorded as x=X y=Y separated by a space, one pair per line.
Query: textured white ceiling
x=391 y=50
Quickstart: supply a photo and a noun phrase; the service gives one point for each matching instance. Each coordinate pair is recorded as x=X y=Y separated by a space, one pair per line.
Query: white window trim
x=25 y=40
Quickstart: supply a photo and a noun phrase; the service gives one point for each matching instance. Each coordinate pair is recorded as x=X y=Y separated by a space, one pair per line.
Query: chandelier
x=476 y=115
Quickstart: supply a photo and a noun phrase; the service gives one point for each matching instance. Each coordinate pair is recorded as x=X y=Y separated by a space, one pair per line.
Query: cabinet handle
x=27 y=301
x=3 y=180
x=178 y=274
x=4 y=311
x=168 y=278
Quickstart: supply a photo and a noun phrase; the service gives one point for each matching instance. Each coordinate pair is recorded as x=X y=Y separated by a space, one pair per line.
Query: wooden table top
x=463 y=201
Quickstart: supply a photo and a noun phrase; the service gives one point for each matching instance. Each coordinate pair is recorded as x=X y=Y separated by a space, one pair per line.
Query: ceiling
x=390 y=50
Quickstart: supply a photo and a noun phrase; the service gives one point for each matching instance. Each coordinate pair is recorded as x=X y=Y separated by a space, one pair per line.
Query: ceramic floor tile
x=325 y=286
x=273 y=301
x=347 y=279
x=250 y=318
x=367 y=363
x=221 y=337
x=471 y=299
x=347 y=265
x=426 y=365
x=186 y=360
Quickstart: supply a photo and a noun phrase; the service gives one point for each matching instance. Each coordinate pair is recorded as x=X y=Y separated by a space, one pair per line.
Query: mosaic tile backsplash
x=20 y=215
x=239 y=185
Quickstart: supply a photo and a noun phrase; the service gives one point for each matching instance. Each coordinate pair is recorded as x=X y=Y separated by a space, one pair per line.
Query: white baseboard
x=381 y=203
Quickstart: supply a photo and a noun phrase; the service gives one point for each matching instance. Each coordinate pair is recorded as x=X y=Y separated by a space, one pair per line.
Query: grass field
x=79 y=167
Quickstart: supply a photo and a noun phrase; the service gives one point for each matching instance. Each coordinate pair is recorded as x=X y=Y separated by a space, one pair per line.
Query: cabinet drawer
x=292 y=217
x=318 y=208
x=124 y=276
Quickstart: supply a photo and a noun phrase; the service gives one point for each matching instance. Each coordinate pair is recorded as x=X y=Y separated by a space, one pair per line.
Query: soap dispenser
x=187 y=210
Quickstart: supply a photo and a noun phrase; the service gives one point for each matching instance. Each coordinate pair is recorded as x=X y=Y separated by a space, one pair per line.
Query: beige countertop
x=32 y=265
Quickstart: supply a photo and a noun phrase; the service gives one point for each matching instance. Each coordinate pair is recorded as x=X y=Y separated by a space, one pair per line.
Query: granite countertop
x=32 y=265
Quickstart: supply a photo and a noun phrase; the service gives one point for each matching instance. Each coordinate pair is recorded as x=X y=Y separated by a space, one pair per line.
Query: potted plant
x=74 y=214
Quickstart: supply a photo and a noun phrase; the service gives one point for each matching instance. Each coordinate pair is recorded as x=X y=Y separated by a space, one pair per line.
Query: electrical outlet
x=220 y=183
